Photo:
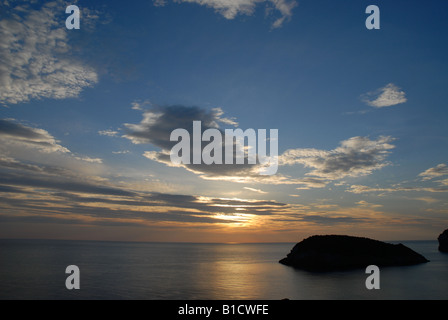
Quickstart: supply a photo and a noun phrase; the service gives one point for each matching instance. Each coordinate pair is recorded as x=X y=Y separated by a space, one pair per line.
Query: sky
x=86 y=116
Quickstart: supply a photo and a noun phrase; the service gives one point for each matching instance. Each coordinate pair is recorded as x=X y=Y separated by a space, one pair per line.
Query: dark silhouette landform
x=443 y=241
x=341 y=252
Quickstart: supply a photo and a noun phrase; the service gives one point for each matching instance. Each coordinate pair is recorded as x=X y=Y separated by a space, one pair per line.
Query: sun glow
x=239 y=219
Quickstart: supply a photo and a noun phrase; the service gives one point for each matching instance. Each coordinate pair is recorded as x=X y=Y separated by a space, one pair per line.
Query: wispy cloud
x=429 y=174
x=311 y=183
x=13 y=135
x=139 y=105
x=428 y=200
x=255 y=190
x=39 y=191
x=22 y=141
x=35 y=56
x=438 y=171
x=365 y=189
x=366 y=204
x=32 y=192
x=109 y=133
x=387 y=96
x=357 y=156
x=231 y=8
x=89 y=159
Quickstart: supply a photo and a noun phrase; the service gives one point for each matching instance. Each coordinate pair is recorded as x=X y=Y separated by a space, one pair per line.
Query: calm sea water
x=35 y=269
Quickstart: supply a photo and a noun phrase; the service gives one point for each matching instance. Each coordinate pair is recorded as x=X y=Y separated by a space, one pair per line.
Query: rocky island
x=341 y=252
x=443 y=241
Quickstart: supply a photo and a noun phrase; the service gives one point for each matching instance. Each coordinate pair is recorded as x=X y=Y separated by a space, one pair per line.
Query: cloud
x=431 y=173
x=387 y=96
x=35 y=56
x=47 y=181
x=218 y=113
x=426 y=199
x=241 y=173
x=309 y=183
x=285 y=8
x=89 y=159
x=365 y=204
x=229 y=9
x=139 y=105
x=17 y=135
x=109 y=133
x=159 y=122
x=333 y=220
x=435 y=172
x=11 y=163
x=255 y=190
x=365 y=189
x=38 y=191
x=357 y=156
x=22 y=142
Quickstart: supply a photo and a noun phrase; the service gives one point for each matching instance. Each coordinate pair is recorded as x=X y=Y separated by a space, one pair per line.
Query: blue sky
x=361 y=116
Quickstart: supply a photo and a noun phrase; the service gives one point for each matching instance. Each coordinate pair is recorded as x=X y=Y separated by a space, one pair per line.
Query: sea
x=36 y=270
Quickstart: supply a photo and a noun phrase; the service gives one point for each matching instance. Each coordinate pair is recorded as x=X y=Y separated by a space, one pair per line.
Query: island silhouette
x=443 y=241
x=343 y=252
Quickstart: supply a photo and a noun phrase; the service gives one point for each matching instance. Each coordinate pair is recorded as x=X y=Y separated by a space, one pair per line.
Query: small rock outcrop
x=341 y=252
x=443 y=241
